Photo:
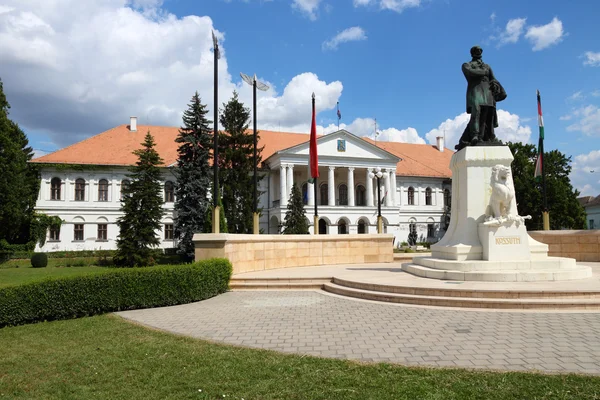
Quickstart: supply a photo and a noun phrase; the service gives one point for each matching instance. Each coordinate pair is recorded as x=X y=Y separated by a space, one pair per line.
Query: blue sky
x=72 y=69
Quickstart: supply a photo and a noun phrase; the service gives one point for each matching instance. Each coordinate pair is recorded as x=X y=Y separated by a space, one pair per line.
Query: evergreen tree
x=295 y=222
x=19 y=181
x=142 y=207
x=565 y=211
x=193 y=174
x=236 y=163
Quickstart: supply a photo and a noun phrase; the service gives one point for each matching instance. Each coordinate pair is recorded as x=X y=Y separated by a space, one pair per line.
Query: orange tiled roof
x=418 y=159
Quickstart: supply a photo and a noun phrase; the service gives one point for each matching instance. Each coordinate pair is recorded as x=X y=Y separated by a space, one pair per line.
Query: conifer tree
x=142 y=207
x=295 y=222
x=236 y=163
x=19 y=181
x=193 y=174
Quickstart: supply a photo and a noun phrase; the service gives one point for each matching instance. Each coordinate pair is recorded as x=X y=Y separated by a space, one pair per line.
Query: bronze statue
x=483 y=91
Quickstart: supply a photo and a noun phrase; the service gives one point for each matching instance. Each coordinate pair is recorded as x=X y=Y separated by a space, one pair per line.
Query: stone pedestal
x=504 y=242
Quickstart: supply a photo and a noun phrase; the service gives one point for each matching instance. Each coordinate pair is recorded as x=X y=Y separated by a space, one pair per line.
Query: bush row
x=22 y=251
x=117 y=290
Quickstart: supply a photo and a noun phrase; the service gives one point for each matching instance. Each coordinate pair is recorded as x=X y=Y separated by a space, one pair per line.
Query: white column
x=282 y=186
x=394 y=189
x=310 y=188
x=271 y=187
x=369 y=181
x=387 y=186
x=290 y=180
x=331 y=186
x=351 y=186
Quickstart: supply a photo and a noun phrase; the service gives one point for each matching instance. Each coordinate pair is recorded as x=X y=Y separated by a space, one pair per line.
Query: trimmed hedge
x=118 y=290
x=39 y=260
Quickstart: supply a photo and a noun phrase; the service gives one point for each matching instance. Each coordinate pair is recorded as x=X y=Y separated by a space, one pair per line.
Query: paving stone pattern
x=311 y=322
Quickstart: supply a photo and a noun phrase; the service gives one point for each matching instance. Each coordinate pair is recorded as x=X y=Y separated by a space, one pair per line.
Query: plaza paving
x=320 y=324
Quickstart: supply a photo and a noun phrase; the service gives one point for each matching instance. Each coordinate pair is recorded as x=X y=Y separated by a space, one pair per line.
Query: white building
x=82 y=185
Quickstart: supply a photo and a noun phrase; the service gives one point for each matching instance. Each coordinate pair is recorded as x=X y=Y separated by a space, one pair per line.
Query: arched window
x=428 y=196
x=342 y=227
x=169 y=192
x=362 y=227
x=411 y=196
x=360 y=197
x=305 y=193
x=79 y=190
x=124 y=186
x=447 y=198
x=430 y=230
x=103 y=190
x=343 y=189
x=322 y=227
x=324 y=194
x=55 y=185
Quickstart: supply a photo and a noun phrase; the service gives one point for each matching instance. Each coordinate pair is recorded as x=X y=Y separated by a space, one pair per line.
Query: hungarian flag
x=313 y=163
x=539 y=162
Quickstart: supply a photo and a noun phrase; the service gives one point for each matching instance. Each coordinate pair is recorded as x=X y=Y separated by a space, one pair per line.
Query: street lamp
x=260 y=86
x=378 y=174
x=216 y=209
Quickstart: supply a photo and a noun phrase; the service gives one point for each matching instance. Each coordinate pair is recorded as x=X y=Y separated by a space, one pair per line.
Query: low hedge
x=118 y=290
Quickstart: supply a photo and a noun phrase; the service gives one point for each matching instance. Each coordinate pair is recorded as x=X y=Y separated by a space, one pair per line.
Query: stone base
x=504 y=242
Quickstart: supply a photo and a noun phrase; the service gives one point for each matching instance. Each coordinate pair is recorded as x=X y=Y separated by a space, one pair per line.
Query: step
x=469 y=293
x=547 y=263
x=281 y=280
x=537 y=275
x=440 y=301
x=278 y=283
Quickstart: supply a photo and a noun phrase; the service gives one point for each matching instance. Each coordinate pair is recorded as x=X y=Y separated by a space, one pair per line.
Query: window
x=168 y=231
x=362 y=227
x=428 y=196
x=124 y=187
x=54 y=233
x=592 y=224
x=102 y=232
x=360 y=197
x=342 y=228
x=79 y=190
x=411 y=196
x=343 y=195
x=446 y=198
x=305 y=193
x=55 y=185
x=430 y=231
x=103 y=190
x=169 y=192
x=324 y=194
x=78 y=232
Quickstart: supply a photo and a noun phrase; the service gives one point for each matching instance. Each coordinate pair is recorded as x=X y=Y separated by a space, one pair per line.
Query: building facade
x=591 y=205
x=82 y=185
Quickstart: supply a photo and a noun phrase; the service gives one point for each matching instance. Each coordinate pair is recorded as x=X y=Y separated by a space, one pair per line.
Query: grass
x=107 y=357
x=26 y=274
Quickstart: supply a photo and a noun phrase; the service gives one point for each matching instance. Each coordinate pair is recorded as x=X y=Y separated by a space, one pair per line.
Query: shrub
x=39 y=260
x=116 y=290
x=409 y=250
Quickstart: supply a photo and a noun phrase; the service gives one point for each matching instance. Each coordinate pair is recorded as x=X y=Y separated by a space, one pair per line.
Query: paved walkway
x=315 y=323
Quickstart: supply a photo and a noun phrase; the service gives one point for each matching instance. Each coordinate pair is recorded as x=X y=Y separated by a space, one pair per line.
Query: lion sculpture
x=503 y=193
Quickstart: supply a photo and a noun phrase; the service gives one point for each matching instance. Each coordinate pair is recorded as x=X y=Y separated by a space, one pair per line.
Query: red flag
x=313 y=164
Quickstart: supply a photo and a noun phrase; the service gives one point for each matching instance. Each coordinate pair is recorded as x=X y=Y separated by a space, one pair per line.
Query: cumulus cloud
x=308 y=7
x=394 y=5
x=513 y=31
x=510 y=129
x=592 y=59
x=544 y=36
x=585 y=173
x=588 y=120
x=352 y=34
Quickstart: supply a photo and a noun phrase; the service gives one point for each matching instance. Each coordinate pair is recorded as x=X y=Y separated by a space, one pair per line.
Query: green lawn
x=18 y=276
x=105 y=357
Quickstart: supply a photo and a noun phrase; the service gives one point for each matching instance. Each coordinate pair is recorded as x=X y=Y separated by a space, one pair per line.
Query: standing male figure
x=483 y=90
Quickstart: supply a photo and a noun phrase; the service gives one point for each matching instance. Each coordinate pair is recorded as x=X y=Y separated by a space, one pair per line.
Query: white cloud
x=308 y=7
x=352 y=34
x=394 y=5
x=595 y=93
x=588 y=120
x=576 y=96
x=365 y=127
x=510 y=129
x=592 y=59
x=513 y=31
x=585 y=173
x=544 y=36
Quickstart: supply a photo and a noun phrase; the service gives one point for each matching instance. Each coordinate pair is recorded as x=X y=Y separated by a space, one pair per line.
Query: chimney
x=133 y=124
x=440 y=143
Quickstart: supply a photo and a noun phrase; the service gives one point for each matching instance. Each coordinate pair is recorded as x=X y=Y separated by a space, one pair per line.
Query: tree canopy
x=295 y=222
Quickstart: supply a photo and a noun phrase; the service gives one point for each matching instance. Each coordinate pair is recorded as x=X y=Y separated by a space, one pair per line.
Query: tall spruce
x=236 y=163
x=193 y=175
x=19 y=181
x=295 y=222
x=142 y=208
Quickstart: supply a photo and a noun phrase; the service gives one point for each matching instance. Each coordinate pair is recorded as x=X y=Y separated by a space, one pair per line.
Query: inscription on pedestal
x=508 y=240
x=504 y=242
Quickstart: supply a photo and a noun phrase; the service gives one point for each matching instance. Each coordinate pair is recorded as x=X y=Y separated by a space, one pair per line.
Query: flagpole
x=316 y=217
x=545 y=213
x=338 y=114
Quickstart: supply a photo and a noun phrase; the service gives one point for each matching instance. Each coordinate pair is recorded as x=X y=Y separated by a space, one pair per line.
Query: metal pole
x=216 y=211
x=316 y=217
x=379 y=219
x=545 y=214
x=255 y=221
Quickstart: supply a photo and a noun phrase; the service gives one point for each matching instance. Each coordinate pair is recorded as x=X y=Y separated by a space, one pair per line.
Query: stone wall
x=260 y=252
x=580 y=245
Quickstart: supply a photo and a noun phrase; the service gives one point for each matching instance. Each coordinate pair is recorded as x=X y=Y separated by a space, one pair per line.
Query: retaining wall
x=580 y=245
